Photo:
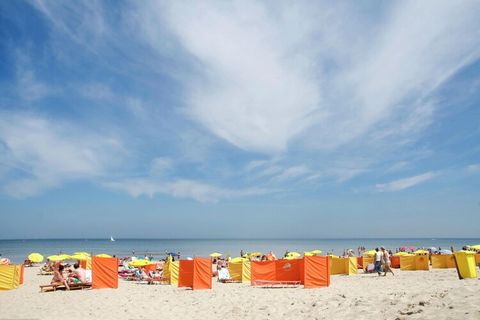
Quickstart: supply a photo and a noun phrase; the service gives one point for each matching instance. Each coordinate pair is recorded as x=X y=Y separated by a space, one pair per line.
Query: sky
x=239 y=119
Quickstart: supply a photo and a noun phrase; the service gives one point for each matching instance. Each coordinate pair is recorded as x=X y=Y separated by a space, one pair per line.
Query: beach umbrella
x=83 y=253
x=420 y=251
x=308 y=253
x=476 y=247
x=215 y=254
x=255 y=254
x=238 y=259
x=369 y=253
x=103 y=255
x=401 y=253
x=35 y=257
x=294 y=254
x=78 y=256
x=316 y=251
x=55 y=257
x=64 y=257
x=139 y=263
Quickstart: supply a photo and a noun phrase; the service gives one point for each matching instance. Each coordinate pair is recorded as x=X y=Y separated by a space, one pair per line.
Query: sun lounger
x=276 y=284
x=73 y=286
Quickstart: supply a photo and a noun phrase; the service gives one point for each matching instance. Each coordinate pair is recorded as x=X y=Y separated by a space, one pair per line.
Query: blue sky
x=239 y=119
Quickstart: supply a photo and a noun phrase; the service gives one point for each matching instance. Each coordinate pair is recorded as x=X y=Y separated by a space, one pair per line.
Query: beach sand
x=435 y=294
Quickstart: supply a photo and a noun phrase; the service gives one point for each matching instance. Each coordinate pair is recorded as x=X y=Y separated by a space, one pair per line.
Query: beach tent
x=312 y=272
x=343 y=265
x=359 y=262
x=465 y=262
x=170 y=271
x=9 y=277
x=195 y=274
x=477 y=258
x=104 y=273
x=86 y=264
x=240 y=271
x=442 y=261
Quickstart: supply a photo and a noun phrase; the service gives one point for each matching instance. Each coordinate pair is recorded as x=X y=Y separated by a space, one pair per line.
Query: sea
x=18 y=250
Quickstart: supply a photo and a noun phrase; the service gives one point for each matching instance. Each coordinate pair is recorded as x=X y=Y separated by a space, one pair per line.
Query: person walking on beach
x=386 y=262
x=378 y=261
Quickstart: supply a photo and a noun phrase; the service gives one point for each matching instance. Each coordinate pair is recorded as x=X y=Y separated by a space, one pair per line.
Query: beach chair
x=73 y=286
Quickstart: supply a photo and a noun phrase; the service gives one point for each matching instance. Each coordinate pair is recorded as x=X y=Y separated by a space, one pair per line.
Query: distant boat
x=111 y=238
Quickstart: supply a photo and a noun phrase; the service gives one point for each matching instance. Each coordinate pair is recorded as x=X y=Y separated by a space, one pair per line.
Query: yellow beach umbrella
x=255 y=254
x=83 y=253
x=294 y=254
x=369 y=253
x=215 y=254
x=65 y=257
x=139 y=263
x=238 y=259
x=475 y=247
x=316 y=251
x=78 y=256
x=103 y=255
x=308 y=254
x=420 y=251
x=401 y=253
x=35 y=257
x=55 y=257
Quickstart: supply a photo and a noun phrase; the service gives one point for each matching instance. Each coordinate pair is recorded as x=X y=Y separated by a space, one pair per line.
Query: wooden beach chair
x=73 y=286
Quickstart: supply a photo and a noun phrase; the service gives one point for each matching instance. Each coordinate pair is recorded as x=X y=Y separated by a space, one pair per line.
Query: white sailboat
x=111 y=238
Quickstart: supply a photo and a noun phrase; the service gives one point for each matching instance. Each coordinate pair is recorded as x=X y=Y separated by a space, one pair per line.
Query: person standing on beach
x=386 y=262
x=378 y=261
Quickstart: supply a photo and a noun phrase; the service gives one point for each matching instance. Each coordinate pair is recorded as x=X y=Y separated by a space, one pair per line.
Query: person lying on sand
x=58 y=278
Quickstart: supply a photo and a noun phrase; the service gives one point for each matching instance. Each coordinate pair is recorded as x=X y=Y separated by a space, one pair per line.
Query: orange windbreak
x=395 y=260
x=22 y=271
x=360 y=262
x=316 y=272
x=185 y=273
x=104 y=273
x=202 y=273
x=262 y=270
x=288 y=270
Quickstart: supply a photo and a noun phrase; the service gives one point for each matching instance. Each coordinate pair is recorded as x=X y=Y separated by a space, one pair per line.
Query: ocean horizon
x=18 y=249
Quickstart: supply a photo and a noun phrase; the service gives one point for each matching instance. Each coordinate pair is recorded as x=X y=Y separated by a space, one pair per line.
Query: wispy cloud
x=406 y=183
x=42 y=154
x=473 y=168
x=181 y=188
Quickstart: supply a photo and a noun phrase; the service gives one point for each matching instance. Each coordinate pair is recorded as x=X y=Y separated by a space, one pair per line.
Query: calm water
x=17 y=250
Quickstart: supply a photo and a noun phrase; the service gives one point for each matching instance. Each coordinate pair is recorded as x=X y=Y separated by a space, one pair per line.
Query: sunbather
x=78 y=275
x=58 y=278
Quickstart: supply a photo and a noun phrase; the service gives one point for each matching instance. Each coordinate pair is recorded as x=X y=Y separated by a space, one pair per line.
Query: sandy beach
x=434 y=294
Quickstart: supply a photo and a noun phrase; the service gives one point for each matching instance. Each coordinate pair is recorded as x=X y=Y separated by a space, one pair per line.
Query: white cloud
x=181 y=188
x=292 y=173
x=43 y=153
x=406 y=183
x=473 y=168
x=266 y=75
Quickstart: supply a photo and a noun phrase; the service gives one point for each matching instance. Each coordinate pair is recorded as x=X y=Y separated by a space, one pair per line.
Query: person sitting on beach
x=78 y=275
x=386 y=262
x=58 y=278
